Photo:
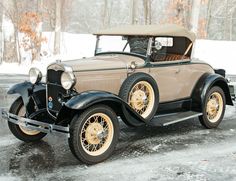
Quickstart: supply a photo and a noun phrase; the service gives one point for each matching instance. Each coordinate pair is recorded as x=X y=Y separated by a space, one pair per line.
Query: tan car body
x=108 y=72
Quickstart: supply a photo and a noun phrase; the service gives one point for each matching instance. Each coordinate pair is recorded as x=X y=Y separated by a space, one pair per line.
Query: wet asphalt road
x=184 y=151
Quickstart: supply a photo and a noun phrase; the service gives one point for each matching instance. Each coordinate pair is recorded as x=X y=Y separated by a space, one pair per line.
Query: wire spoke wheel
x=94 y=134
x=25 y=130
x=20 y=131
x=142 y=98
x=97 y=134
x=214 y=107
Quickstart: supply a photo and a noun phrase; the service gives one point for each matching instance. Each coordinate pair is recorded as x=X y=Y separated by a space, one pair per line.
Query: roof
x=149 y=30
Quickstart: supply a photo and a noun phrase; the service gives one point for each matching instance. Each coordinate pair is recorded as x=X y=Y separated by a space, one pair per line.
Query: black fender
x=31 y=94
x=87 y=99
x=207 y=81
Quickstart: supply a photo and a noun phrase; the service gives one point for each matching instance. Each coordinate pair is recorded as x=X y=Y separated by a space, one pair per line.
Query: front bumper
x=33 y=124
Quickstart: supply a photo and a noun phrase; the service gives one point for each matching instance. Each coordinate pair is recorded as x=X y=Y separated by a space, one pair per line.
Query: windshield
x=129 y=44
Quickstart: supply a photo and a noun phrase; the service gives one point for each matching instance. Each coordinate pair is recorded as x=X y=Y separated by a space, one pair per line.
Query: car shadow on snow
x=31 y=159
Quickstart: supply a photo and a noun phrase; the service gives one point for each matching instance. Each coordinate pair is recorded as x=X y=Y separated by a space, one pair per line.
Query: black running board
x=168 y=119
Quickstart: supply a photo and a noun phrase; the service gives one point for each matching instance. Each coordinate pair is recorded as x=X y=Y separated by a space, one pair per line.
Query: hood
x=104 y=62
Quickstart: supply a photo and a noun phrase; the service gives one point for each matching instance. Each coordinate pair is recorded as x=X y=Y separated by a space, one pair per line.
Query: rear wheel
x=21 y=132
x=94 y=134
x=214 y=108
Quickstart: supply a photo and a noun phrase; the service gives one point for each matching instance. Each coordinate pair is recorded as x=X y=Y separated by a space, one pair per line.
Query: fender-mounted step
x=168 y=119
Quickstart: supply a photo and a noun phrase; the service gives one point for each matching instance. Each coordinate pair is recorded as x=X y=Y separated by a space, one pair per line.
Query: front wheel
x=94 y=134
x=21 y=132
x=213 y=108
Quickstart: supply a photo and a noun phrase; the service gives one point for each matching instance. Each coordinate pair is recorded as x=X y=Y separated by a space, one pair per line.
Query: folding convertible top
x=149 y=30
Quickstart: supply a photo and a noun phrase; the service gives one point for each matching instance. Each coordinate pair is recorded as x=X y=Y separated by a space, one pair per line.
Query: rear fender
x=89 y=98
x=203 y=85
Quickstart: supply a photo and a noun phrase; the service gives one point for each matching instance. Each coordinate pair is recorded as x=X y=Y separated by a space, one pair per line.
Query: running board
x=168 y=119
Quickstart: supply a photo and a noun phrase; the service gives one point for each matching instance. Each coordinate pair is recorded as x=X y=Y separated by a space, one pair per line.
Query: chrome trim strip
x=149 y=48
x=182 y=119
x=47 y=102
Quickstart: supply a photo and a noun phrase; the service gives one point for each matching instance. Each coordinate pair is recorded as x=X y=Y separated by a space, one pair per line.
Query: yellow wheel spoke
x=214 y=107
x=96 y=134
x=142 y=98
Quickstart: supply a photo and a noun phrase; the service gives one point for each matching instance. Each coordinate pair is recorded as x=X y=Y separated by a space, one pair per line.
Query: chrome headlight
x=67 y=80
x=35 y=75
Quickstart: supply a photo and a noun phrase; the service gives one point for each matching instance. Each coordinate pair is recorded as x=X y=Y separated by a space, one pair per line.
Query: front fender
x=87 y=99
x=27 y=89
x=203 y=85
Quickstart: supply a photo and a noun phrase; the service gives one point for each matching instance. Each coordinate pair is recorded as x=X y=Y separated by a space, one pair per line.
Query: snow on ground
x=7 y=140
x=219 y=54
x=174 y=165
x=76 y=46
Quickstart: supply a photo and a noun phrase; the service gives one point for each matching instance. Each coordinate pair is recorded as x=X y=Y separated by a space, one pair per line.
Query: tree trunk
x=147 y=11
x=8 y=29
x=57 y=39
x=195 y=15
x=105 y=13
x=40 y=27
x=209 y=7
x=133 y=11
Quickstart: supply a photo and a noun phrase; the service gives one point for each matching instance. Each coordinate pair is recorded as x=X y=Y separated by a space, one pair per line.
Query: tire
x=85 y=128
x=20 y=132
x=213 y=108
x=133 y=82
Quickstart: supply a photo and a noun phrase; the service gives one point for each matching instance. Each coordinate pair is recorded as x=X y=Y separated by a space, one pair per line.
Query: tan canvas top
x=149 y=30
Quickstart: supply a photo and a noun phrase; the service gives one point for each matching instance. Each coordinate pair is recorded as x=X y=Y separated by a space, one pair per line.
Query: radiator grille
x=54 y=90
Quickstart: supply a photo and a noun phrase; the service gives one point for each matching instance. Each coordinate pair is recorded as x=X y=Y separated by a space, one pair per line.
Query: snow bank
x=73 y=46
x=219 y=54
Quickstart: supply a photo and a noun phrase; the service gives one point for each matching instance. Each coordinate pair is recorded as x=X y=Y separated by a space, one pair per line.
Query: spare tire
x=140 y=91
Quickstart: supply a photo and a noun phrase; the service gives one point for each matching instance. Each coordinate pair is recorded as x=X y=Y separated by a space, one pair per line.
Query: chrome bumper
x=33 y=124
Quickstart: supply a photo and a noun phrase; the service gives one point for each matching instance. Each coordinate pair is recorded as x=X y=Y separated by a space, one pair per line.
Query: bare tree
x=105 y=14
x=57 y=39
x=147 y=11
x=176 y=12
x=40 y=26
x=208 y=16
x=195 y=15
x=133 y=7
x=8 y=29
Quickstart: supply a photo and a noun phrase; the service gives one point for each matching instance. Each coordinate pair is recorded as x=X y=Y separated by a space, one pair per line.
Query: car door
x=168 y=77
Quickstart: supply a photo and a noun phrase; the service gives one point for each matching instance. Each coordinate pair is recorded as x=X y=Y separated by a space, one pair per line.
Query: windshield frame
x=149 y=48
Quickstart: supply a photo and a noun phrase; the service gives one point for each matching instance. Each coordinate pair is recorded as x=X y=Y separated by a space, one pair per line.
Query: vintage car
x=140 y=74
